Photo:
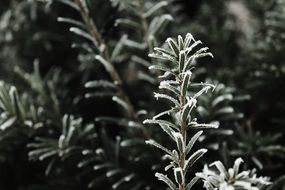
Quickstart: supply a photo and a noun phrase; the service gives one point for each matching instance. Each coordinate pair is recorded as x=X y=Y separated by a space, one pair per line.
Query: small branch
x=104 y=53
x=184 y=104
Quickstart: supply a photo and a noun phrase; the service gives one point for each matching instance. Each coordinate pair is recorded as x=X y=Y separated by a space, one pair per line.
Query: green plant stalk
x=183 y=131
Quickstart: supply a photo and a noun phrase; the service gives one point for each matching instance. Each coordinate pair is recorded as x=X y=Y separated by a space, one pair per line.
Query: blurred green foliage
x=61 y=130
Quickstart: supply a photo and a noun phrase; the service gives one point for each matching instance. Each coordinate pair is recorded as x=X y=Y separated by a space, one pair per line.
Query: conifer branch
x=102 y=47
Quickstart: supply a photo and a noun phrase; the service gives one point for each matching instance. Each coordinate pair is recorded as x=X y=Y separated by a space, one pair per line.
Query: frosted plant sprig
x=177 y=65
x=16 y=109
x=231 y=179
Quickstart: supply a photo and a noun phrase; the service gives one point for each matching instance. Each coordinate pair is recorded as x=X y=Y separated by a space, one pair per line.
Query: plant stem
x=183 y=131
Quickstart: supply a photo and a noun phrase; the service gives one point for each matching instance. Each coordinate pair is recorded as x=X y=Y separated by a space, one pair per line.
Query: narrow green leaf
x=108 y=66
x=237 y=165
x=191 y=183
x=192 y=141
x=194 y=157
x=164 y=51
x=203 y=90
x=188 y=39
x=219 y=165
x=166 y=180
x=133 y=44
x=164 y=126
x=167 y=112
x=122 y=103
x=162 y=57
x=7 y=123
x=140 y=61
x=160 y=122
x=171 y=88
x=127 y=22
x=155 y=8
x=154 y=143
x=187 y=109
x=159 y=67
x=173 y=46
x=164 y=96
x=224 y=110
x=100 y=83
x=158 y=24
x=189 y=49
x=180 y=43
x=221 y=98
x=179 y=142
x=71 y=21
x=179 y=176
x=83 y=34
x=203 y=125
x=186 y=82
x=181 y=60
x=119 y=46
